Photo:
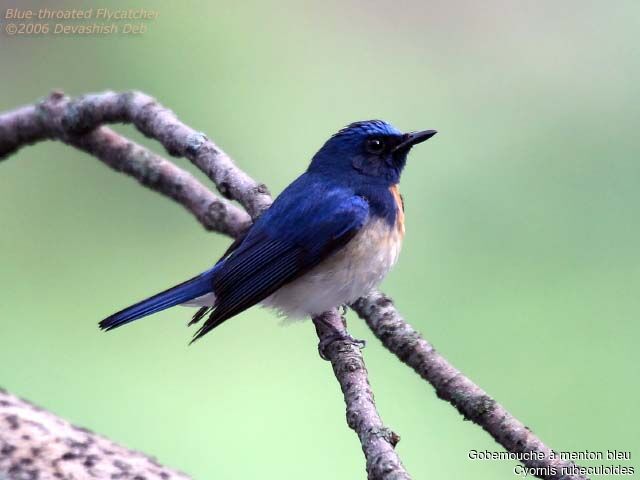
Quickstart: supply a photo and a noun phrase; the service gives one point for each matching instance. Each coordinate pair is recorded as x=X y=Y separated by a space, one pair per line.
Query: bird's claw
x=327 y=340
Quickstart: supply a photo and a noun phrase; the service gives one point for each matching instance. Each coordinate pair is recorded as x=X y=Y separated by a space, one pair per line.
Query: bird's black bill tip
x=414 y=138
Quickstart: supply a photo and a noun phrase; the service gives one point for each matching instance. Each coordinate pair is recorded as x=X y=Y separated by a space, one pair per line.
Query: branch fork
x=81 y=123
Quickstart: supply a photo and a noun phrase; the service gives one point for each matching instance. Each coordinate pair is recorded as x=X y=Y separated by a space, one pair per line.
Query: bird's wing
x=308 y=222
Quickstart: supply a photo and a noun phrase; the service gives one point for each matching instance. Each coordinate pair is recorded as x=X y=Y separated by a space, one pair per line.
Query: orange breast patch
x=400 y=208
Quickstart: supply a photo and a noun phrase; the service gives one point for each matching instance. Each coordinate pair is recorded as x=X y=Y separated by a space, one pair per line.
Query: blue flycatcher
x=328 y=239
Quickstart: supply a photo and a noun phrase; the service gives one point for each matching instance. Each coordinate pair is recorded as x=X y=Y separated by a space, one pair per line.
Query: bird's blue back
x=311 y=219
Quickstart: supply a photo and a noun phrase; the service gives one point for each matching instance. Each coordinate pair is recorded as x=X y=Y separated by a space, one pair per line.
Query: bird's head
x=372 y=151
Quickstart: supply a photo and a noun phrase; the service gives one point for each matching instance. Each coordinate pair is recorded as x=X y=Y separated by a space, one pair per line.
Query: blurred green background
x=521 y=259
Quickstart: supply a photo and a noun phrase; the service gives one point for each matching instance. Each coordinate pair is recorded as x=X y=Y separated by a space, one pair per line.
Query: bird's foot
x=337 y=336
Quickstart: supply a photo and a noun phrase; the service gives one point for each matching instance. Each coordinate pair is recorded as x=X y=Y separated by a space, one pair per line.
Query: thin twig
x=451 y=385
x=377 y=441
x=156 y=121
x=44 y=121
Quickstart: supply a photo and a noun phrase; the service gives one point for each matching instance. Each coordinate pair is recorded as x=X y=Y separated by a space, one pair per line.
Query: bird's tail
x=193 y=288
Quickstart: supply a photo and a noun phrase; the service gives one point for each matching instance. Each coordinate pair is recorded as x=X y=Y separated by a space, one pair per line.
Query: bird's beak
x=414 y=138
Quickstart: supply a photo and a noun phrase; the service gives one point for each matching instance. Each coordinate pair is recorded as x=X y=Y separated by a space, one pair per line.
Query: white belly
x=345 y=276
x=342 y=278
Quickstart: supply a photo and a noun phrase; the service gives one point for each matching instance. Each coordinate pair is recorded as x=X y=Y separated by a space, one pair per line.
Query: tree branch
x=451 y=385
x=45 y=121
x=377 y=441
x=78 y=123
x=155 y=121
x=36 y=444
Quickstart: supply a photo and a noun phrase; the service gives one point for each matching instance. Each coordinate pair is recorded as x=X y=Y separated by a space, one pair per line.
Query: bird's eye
x=375 y=146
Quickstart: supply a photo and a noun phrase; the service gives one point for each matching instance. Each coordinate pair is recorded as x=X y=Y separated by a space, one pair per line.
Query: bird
x=328 y=239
